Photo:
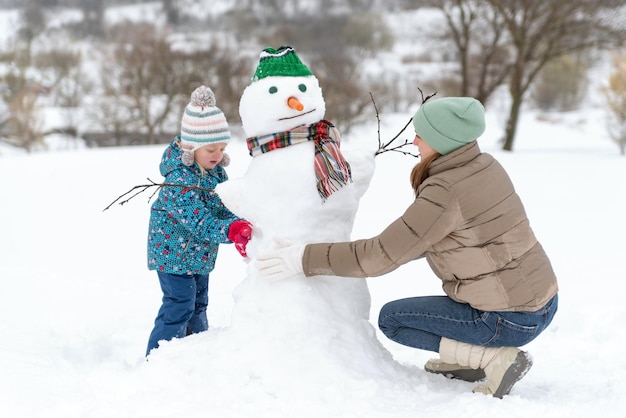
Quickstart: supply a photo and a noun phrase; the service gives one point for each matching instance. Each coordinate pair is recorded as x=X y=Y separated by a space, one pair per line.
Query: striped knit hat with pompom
x=203 y=123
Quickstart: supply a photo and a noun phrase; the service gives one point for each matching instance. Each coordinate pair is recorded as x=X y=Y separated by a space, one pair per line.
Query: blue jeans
x=183 y=309
x=420 y=322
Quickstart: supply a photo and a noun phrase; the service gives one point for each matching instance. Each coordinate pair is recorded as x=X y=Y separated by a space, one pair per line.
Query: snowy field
x=77 y=302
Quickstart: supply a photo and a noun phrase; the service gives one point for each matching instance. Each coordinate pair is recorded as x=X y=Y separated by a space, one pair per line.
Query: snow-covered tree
x=615 y=95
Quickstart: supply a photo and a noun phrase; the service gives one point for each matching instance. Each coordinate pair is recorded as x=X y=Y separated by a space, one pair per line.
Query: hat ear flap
x=187 y=158
x=225 y=161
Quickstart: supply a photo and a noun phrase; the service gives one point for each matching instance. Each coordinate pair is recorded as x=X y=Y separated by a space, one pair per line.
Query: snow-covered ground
x=77 y=302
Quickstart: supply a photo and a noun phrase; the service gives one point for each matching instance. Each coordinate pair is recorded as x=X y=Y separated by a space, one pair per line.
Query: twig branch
x=424 y=100
x=386 y=147
x=143 y=187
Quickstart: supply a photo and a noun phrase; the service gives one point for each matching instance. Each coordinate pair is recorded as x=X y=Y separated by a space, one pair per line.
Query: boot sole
x=523 y=362
x=467 y=375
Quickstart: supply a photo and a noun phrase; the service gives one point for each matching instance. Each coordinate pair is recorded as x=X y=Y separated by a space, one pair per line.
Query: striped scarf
x=331 y=168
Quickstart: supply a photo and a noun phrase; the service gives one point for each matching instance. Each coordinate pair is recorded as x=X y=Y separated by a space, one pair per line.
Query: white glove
x=279 y=264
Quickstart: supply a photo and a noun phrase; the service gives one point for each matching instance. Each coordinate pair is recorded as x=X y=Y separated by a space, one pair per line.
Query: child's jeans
x=420 y=322
x=183 y=310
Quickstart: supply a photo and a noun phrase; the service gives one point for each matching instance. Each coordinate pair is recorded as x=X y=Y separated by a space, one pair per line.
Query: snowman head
x=283 y=94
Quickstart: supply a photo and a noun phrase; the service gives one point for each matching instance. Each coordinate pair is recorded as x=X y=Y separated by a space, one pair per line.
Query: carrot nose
x=295 y=104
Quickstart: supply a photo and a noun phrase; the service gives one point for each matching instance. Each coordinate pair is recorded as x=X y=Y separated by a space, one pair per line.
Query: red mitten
x=239 y=233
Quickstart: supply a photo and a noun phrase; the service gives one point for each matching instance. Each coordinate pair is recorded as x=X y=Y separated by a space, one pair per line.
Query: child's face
x=209 y=155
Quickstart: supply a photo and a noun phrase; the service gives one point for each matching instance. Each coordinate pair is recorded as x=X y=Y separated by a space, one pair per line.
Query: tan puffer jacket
x=472 y=228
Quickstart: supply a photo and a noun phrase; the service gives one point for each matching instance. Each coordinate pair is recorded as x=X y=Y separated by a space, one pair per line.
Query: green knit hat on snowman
x=280 y=62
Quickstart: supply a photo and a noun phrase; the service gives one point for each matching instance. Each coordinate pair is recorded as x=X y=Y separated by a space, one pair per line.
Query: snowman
x=303 y=187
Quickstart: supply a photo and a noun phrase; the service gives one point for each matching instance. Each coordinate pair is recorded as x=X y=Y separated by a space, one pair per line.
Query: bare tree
x=144 y=57
x=56 y=67
x=113 y=111
x=33 y=23
x=562 y=83
x=22 y=125
x=25 y=123
x=170 y=8
x=332 y=46
x=541 y=30
x=478 y=34
x=615 y=95
x=93 y=16
x=146 y=82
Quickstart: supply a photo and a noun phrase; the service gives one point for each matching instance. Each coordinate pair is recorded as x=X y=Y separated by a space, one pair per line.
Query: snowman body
x=268 y=184
x=279 y=196
x=278 y=192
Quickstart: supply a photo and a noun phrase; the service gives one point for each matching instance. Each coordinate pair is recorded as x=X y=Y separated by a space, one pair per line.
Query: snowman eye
x=273 y=89
x=302 y=88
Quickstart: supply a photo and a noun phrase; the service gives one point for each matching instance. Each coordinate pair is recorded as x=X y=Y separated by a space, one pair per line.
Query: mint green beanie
x=450 y=122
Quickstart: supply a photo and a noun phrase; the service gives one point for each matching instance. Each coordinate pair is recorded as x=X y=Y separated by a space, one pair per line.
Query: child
x=188 y=222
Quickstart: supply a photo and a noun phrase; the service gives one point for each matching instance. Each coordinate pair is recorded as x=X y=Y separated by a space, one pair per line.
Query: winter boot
x=454 y=371
x=503 y=366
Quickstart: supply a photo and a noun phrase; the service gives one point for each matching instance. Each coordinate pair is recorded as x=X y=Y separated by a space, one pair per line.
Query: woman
x=469 y=223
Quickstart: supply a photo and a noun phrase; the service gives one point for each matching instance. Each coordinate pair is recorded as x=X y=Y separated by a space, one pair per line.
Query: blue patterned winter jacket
x=187 y=225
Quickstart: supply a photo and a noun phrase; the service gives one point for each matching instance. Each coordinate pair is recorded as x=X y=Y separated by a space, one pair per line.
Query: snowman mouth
x=297 y=116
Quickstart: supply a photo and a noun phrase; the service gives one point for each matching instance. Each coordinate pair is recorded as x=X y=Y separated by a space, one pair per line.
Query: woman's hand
x=281 y=263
